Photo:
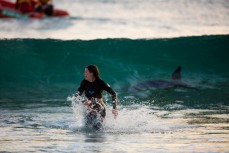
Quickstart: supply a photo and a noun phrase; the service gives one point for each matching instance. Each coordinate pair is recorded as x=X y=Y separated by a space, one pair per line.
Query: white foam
x=132 y=119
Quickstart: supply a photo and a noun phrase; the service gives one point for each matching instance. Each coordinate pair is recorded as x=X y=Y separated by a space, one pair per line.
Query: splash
x=135 y=118
x=78 y=110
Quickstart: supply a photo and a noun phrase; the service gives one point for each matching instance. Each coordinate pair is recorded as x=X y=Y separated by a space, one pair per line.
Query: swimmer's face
x=88 y=75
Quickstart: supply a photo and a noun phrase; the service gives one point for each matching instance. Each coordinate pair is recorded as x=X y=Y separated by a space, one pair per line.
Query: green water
x=54 y=68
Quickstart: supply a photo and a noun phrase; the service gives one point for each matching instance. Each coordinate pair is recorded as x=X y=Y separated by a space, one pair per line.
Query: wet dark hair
x=95 y=70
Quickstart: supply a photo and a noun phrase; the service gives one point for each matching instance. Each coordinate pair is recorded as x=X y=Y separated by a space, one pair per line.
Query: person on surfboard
x=93 y=87
x=25 y=6
x=32 y=6
x=45 y=6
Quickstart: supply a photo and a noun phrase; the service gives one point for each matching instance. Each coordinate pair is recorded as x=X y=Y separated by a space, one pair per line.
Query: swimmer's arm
x=111 y=91
x=81 y=89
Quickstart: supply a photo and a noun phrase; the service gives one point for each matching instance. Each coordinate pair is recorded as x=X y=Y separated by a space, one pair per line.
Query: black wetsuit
x=95 y=90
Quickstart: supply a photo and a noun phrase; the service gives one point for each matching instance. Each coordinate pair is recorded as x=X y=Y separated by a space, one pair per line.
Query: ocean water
x=37 y=76
x=93 y=19
x=131 y=41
